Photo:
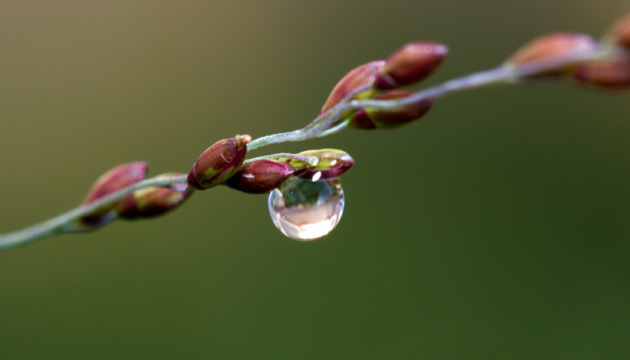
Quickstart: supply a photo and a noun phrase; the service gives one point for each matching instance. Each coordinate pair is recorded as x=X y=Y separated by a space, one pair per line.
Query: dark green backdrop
x=495 y=228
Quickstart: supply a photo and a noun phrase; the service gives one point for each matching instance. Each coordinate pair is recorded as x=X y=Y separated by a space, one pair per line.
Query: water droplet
x=306 y=210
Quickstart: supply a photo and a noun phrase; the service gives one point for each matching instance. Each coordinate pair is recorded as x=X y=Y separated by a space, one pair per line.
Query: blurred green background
x=495 y=228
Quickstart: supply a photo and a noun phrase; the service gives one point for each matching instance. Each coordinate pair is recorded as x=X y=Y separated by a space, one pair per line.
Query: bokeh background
x=495 y=228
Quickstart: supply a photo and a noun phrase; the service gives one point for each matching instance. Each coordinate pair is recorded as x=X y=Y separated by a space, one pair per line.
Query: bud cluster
x=608 y=67
x=408 y=65
x=262 y=176
x=219 y=162
x=153 y=201
x=143 y=203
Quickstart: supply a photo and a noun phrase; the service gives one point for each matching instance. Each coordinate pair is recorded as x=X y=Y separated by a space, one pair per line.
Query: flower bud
x=620 y=32
x=331 y=163
x=260 y=176
x=219 y=162
x=410 y=64
x=605 y=73
x=115 y=179
x=152 y=201
x=551 y=47
x=386 y=119
x=357 y=77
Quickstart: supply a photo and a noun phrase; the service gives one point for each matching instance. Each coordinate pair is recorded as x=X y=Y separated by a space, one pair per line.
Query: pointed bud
x=329 y=164
x=550 y=47
x=219 y=162
x=386 y=119
x=115 y=179
x=619 y=33
x=410 y=64
x=152 y=201
x=605 y=73
x=357 y=77
x=260 y=176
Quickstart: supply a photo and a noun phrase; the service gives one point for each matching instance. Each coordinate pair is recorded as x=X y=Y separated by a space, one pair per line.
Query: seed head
x=153 y=201
x=113 y=180
x=410 y=64
x=551 y=47
x=619 y=33
x=219 y=162
x=369 y=119
x=260 y=176
x=613 y=73
x=357 y=77
x=329 y=164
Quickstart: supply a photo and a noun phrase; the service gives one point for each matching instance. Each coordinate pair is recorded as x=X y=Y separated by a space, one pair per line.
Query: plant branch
x=327 y=123
x=67 y=222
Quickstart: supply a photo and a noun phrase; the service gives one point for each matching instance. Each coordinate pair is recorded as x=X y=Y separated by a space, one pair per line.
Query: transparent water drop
x=306 y=210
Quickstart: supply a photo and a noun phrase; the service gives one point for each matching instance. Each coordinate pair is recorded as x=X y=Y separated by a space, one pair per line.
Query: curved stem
x=306 y=132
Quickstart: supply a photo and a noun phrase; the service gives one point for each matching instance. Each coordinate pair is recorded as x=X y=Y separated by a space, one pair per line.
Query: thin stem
x=275 y=139
x=59 y=224
x=306 y=132
x=335 y=129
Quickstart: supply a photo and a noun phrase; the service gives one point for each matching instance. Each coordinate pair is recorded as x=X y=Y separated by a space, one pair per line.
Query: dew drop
x=306 y=210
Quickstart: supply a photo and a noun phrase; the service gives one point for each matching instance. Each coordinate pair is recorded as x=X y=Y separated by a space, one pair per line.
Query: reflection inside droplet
x=306 y=210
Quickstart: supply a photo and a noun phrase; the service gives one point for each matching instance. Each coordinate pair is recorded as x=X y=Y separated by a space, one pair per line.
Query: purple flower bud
x=550 y=47
x=219 y=162
x=330 y=164
x=260 y=176
x=152 y=201
x=410 y=64
x=115 y=179
x=357 y=77
x=620 y=32
x=605 y=73
x=369 y=119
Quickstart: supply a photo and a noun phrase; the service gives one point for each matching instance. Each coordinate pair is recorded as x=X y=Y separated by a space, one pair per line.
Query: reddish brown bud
x=260 y=176
x=550 y=47
x=620 y=32
x=357 y=77
x=152 y=201
x=386 y=119
x=330 y=164
x=605 y=73
x=410 y=64
x=115 y=179
x=219 y=162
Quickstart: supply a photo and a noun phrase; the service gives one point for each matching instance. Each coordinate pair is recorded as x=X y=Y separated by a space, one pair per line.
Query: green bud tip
x=219 y=162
